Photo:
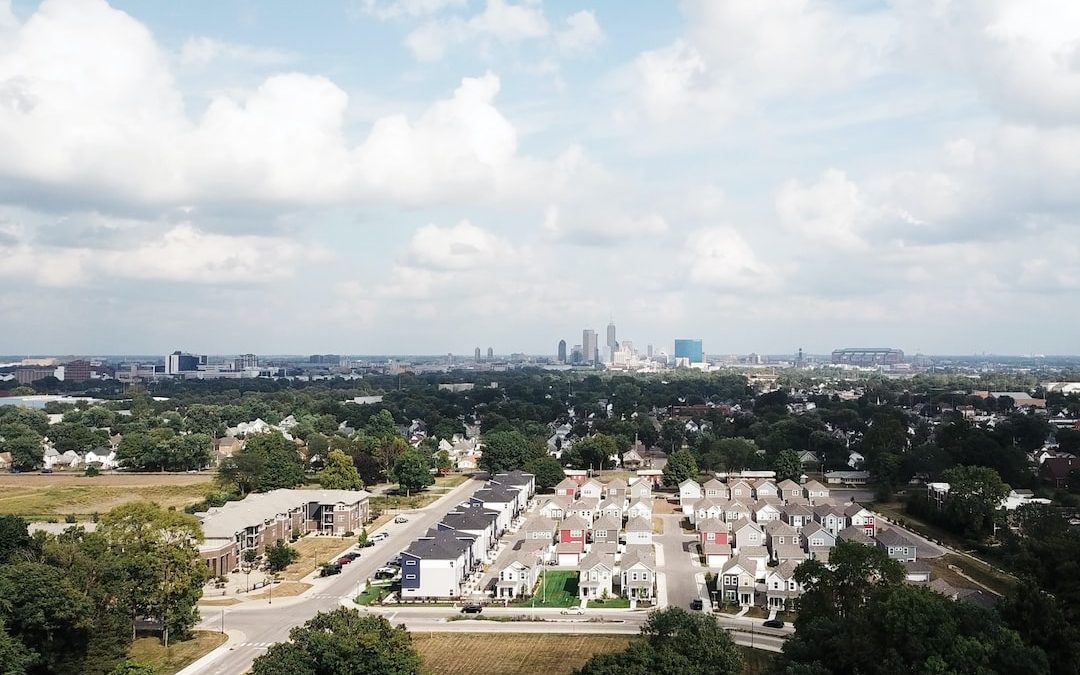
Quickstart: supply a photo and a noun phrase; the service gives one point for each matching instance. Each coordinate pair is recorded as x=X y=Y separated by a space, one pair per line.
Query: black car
x=330 y=570
x=697 y=604
x=472 y=608
x=773 y=623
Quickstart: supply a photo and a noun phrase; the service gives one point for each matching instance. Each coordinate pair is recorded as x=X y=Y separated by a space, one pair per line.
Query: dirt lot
x=56 y=495
x=314 y=550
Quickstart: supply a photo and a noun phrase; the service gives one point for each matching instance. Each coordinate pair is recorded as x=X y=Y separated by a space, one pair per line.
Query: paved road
x=677 y=566
x=256 y=626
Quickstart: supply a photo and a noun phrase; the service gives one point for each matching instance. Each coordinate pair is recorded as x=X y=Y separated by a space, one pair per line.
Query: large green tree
x=412 y=471
x=507 y=450
x=787 y=465
x=975 y=495
x=266 y=462
x=673 y=641
x=853 y=573
x=26 y=452
x=339 y=473
x=547 y=471
x=342 y=642
x=680 y=467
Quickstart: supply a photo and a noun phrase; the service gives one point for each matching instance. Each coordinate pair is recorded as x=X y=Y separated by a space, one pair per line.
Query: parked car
x=573 y=610
x=472 y=608
x=352 y=555
x=343 y=560
x=697 y=604
x=330 y=570
x=773 y=623
x=376 y=538
x=401 y=519
x=385 y=573
x=46 y=471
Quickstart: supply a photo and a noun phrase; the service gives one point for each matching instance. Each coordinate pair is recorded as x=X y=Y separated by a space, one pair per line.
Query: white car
x=573 y=610
x=375 y=538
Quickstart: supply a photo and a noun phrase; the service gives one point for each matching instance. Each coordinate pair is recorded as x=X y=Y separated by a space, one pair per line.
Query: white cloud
x=831 y=210
x=582 y=33
x=461 y=247
x=184 y=254
x=719 y=258
x=597 y=225
x=202 y=51
x=8 y=22
x=396 y=9
x=500 y=22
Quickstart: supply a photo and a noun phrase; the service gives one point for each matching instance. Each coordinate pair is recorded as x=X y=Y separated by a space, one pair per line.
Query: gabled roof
x=711 y=525
x=597 y=559
x=638 y=524
x=814 y=486
x=610 y=504
x=617 y=484
x=712 y=548
x=566 y=483
x=470 y=519
x=574 y=523
x=607 y=523
x=764 y=482
x=497 y=494
x=540 y=524
x=854 y=508
x=754 y=551
x=561 y=501
x=814 y=528
x=789 y=552
x=743 y=523
x=689 y=481
x=893 y=537
x=714 y=484
x=585 y=504
x=737 y=564
x=709 y=502
x=639 y=555
x=779 y=528
x=788 y=484
x=785 y=570
x=855 y=534
x=640 y=502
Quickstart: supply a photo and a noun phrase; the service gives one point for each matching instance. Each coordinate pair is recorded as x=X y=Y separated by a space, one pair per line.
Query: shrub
x=350 y=534
x=69 y=518
x=92 y=471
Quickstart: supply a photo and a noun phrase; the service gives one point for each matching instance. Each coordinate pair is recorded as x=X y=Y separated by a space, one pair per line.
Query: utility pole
x=222 y=622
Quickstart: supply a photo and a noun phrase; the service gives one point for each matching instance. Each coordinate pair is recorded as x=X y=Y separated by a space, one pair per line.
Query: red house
x=713 y=531
x=572 y=530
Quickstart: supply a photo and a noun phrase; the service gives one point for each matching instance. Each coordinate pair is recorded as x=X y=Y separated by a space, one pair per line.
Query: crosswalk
x=257 y=645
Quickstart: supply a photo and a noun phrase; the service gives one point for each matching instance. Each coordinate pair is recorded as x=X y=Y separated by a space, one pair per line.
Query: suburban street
x=679 y=583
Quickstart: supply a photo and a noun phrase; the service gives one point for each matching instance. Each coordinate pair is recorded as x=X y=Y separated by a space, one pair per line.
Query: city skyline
x=437 y=175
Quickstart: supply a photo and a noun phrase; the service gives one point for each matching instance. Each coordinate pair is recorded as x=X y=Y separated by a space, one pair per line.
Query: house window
x=410 y=576
x=575 y=533
x=731 y=580
x=817 y=542
x=633 y=576
x=601 y=533
x=730 y=595
x=410 y=562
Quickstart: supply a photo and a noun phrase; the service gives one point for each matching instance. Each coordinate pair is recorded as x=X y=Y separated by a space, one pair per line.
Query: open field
x=506 y=654
x=54 y=496
x=285 y=589
x=983 y=574
x=148 y=651
x=662 y=507
x=525 y=654
x=313 y=551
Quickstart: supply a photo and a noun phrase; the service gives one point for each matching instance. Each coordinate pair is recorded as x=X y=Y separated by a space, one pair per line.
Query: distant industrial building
x=691 y=350
x=868 y=356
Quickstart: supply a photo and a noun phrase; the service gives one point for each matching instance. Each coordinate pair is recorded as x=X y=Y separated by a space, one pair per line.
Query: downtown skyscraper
x=589 y=346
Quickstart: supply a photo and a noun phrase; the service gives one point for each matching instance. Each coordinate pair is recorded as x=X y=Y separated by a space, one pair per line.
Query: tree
x=266 y=462
x=547 y=471
x=342 y=642
x=975 y=494
x=680 y=467
x=411 y=471
x=26 y=452
x=673 y=641
x=242 y=471
x=363 y=538
x=854 y=572
x=443 y=462
x=904 y=629
x=381 y=426
x=14 y=655
x=672 y=435
x=160 y=555
x=280 y=555
x=788 y=466
x=44 y=611
x=506 y=451
x=595 y=452
x=387 y=451
x=340 y=473
x=14 y=538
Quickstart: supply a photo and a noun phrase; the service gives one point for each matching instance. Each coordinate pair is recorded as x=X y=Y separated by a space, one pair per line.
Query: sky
x=428 y=176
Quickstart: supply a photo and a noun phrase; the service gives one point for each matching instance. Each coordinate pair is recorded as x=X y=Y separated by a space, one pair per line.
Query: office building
x=562 y=351
x=690 y=350
x=577 y=355
x=77 y=371
x=648 y=351
x=181 y=362
x=612 y=343
x=324 y=359
x=478 y=355
x=491 y=354
x=245 y=361
x=589 y=346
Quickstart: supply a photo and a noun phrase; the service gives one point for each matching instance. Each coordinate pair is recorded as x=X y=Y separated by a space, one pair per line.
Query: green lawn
x=555 y=589
x=372 y=594
x=610 y=603
x=149 y=651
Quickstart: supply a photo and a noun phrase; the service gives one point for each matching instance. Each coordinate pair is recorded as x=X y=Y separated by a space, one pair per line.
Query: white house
x=641 y=508
x=518 y=575
x=639 y=531
x=596 y=572
x=638 y=572
x=689 y=495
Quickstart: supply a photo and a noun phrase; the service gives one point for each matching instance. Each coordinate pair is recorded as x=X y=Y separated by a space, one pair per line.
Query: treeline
x=69 y=603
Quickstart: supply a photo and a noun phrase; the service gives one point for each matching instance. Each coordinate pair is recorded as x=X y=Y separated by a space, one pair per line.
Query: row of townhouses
x=442 y=563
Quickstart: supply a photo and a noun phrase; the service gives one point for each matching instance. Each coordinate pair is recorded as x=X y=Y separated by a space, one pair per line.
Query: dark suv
x=330 y=570
x=697 y=604
x=472 y=608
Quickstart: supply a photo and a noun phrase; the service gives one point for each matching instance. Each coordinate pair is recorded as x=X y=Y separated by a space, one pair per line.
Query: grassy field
x=314 y=551
x=42 y=497
x=149 y=651
x=507 y=654
x=983 y=574
x=372 y=594
x=556 y=589
x=525 y=654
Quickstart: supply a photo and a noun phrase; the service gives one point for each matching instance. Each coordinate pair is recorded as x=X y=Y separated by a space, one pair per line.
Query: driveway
x=679 y=570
